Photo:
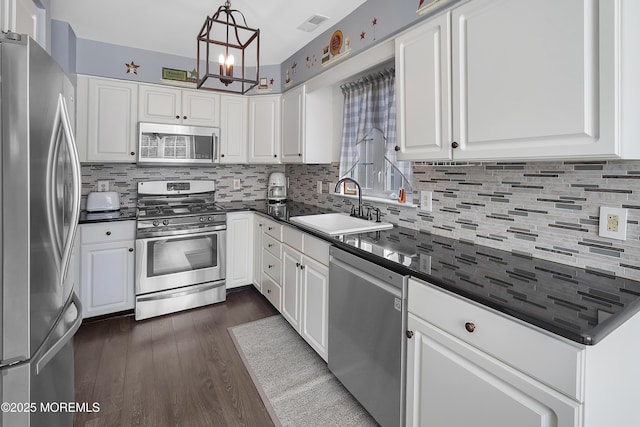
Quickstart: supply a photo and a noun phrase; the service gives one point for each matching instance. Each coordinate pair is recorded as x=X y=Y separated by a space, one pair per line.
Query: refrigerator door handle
x=61 y=133
x=65 y=338
x=77 y=185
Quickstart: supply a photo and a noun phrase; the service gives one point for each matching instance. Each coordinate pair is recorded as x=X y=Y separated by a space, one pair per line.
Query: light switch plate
x=426 y=201
x=613 y=223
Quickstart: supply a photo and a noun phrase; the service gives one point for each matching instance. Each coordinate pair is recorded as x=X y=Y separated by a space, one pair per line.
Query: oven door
x=171 y=262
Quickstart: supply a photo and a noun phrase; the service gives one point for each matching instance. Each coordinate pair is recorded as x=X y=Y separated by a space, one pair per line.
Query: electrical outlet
x=426 y=201
x=236 y=184
x=319 y=186
x=425 y=263
x=613 y=223
x=103 y=185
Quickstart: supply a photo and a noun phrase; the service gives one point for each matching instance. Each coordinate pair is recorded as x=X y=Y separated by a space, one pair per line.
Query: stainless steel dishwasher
x=367 y=320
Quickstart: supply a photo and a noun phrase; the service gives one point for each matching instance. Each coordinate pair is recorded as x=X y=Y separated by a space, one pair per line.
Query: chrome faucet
x=359 y=213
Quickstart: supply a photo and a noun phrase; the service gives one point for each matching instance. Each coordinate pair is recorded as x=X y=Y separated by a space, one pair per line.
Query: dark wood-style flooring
x=176 y=370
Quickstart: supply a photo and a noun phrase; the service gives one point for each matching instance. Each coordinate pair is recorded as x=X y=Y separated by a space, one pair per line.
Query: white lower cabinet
x=451 y=383
x=269 y=260
x=305 y=287
x=291 y=286
x=314 y=307
x=294 y=277
x=470 y=365
x=239 y=264
x=258 y=223
x=107 y=261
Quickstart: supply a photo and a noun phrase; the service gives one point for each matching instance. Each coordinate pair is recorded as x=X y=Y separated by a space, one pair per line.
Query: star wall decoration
x=362 y=35
x=193 y=73
x=132 y=68
x=374 y=23
x=311 y=61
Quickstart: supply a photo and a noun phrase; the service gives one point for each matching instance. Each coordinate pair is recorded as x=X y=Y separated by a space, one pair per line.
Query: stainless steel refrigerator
x=40 y=202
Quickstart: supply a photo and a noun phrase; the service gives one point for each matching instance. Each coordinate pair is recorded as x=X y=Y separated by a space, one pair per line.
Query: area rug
x=294 y=382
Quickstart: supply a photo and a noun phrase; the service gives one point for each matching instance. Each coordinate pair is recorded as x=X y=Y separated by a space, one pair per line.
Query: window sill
x=377 y=200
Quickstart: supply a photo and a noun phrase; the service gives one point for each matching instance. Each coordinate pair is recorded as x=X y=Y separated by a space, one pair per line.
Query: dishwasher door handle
x=368 y=277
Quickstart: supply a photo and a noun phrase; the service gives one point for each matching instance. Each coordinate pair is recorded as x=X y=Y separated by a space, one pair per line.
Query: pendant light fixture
x=226 y=48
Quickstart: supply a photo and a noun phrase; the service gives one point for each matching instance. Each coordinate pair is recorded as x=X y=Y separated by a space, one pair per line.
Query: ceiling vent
x=312 y=23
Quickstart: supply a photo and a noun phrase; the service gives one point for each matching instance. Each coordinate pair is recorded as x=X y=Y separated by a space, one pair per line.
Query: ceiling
x=171 y=26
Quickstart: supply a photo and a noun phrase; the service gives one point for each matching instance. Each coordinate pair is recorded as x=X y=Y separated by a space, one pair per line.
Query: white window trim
x=366 y=198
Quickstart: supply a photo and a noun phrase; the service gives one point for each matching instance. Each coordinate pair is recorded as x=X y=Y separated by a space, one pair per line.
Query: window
x=369 y=136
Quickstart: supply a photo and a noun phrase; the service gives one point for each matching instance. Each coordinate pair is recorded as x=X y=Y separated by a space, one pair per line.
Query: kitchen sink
x=335 y=224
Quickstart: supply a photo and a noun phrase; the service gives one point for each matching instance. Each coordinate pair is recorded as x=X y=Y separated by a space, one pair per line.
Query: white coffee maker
x=277 y=193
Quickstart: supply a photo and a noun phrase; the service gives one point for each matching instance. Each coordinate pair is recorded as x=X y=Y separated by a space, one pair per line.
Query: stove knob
x=209 y=219
x=156 y=223
x=165 y=222
x=202 y=219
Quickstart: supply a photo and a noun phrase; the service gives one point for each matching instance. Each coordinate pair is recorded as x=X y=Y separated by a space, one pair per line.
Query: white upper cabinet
x=529 y=80
x=423 y=76
x=27 y=19
x=200 y=108
x=264 y=129
x=293 y=121
x=160 y=104
x=107 y=111
x=23 y=17
x=307 y=125
x=233 y=129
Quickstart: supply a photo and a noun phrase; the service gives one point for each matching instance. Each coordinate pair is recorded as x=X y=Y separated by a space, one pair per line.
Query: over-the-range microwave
x=163 y=144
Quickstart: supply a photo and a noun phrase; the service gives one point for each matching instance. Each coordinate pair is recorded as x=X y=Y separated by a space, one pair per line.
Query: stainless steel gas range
x=180 y=247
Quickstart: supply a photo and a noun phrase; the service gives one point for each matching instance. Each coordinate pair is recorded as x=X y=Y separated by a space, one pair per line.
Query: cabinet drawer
x=108 y=232
x=271 y=290
x=273 y=229
x=272 y=245
x=317 y=249
x=292 y=237
x=271 y=265
x=551 y=360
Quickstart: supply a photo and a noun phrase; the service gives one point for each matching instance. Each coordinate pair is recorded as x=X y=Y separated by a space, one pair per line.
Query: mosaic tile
x=558 y=201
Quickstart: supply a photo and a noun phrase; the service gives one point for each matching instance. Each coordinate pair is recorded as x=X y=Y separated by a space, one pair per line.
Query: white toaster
x=103 y=201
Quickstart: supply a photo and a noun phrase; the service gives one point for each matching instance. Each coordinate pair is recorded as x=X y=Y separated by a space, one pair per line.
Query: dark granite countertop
x=581 y=305
x=124 y=214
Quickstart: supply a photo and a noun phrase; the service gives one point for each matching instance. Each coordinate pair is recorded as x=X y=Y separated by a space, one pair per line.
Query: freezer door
x=46 y=381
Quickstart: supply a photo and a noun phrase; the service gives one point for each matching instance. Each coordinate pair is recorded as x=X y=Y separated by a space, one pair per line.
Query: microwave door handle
x=216 y=143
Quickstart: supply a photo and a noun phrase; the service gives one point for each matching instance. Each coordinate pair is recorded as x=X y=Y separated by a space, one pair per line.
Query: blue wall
x=63 y=45
x=390 y=18
x=372 y=22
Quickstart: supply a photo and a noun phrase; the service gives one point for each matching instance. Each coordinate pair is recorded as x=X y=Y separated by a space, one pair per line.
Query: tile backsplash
x=547 y=209
x=124 y=178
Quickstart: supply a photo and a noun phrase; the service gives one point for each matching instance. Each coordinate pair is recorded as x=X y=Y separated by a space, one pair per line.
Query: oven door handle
x=169 y=295
x=181 y=236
